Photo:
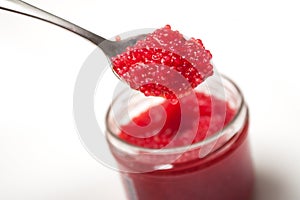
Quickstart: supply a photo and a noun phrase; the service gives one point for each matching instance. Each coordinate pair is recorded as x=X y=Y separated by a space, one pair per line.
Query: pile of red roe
x=164 y=64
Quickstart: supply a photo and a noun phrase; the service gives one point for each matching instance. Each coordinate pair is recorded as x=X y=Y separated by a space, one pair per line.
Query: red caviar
x=205 y=125
x=164 y=64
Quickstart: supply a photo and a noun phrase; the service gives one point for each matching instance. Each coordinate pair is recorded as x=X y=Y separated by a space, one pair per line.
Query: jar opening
x=223 y=88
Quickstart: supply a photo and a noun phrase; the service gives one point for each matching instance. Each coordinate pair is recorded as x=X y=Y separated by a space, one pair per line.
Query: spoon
x=110 y=48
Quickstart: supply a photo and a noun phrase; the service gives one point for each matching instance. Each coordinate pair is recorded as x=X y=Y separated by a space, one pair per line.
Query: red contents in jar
x=177 y=116
x=164 y=64
x=224 y=173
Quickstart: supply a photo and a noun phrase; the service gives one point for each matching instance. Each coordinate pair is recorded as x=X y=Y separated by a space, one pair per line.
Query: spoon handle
x=23 y=8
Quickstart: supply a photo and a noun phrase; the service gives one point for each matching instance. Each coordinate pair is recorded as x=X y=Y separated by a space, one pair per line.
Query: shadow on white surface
x=268 y=186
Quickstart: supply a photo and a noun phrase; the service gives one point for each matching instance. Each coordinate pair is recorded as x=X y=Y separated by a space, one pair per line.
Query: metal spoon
x=110 y=48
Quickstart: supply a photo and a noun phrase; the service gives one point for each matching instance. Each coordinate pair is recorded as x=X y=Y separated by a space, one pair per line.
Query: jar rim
x=184 y=148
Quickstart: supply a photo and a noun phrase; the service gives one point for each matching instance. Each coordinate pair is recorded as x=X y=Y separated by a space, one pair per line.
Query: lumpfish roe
x=164 y=64
x=207 y=124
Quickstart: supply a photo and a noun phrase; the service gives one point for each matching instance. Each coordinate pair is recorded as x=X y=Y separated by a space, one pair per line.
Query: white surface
x=255 y=43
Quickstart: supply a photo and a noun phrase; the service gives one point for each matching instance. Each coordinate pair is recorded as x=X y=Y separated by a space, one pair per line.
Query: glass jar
x=216 y=168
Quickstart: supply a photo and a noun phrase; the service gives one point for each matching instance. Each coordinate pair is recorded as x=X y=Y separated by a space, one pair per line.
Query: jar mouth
x=240 y=114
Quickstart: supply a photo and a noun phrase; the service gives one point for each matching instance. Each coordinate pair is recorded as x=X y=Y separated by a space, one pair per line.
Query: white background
x=256 y=43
